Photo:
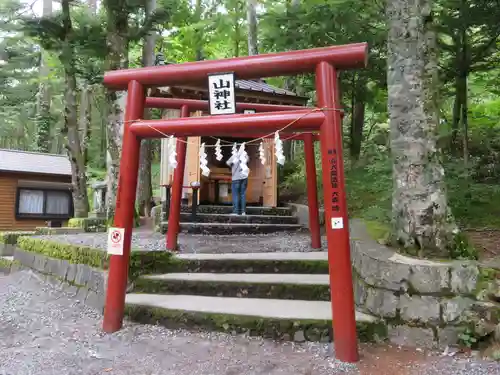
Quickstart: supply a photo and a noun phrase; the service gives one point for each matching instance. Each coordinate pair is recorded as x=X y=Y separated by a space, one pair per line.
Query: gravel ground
x=197 y=243
x=44 y=332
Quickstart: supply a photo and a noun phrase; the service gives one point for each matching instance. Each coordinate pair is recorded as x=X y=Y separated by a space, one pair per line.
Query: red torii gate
x=324 y=62
x=203 y=105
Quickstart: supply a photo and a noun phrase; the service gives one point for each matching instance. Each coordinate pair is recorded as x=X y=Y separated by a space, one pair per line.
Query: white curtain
x=57 y=203
x=30 y=201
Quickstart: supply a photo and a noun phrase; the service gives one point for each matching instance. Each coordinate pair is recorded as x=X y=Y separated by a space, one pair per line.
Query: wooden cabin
x=216 y=188
x=34 y=188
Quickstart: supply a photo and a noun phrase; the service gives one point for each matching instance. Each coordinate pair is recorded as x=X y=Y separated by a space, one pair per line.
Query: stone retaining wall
x=301 y=211
x=85 y=283
x=424 y=302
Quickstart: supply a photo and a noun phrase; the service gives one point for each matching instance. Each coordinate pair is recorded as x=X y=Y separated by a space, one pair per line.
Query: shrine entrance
x=215 y=189
x=326 y=117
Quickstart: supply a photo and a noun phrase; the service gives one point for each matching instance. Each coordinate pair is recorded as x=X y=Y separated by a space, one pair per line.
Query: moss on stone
x=152 y=262
x=10 y=238
x=72 y=253
x=278 y=329
x=254 y=266
x=487 y=283
x=141 y=262
x=5 y=264
x=380 y=232
x=232 y=289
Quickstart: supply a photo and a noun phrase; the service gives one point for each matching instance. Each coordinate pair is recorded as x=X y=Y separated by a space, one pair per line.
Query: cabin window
x=44 y=204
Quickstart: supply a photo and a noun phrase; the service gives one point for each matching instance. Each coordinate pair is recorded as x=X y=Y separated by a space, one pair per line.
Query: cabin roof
x=34 y=162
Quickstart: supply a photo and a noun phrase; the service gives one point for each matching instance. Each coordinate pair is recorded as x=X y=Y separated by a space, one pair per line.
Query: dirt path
x=44 y=332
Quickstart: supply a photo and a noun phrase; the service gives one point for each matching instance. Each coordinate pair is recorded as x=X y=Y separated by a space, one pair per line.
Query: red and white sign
x=115 y=241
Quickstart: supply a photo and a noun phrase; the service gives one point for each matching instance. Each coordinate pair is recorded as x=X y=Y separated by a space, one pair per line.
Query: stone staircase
x=282 y=296
x=218 y=220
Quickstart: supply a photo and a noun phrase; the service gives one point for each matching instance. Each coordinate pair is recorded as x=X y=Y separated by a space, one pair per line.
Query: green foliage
x=89 y=224
x=369 y=195
x=10 y=238
x=468 y=338
x=461 y=248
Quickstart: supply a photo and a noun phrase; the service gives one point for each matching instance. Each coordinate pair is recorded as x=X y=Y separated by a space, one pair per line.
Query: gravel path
x=44 y=332
x=197 y=243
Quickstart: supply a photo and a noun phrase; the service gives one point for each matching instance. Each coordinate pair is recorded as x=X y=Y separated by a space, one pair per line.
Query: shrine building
x=216 y=188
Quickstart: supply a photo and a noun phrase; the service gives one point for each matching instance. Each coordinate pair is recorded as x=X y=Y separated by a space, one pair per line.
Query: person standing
x=239 y=185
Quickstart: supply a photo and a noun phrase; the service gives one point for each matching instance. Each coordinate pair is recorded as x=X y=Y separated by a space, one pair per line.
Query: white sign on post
x=337 y=223
x=115 y=241
x=221 y=94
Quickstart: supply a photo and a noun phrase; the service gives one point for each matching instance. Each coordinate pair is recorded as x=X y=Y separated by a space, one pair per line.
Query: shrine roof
x=243 y=87
x=253 y=85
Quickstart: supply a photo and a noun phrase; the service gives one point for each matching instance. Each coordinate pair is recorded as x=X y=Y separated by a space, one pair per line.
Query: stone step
x=228 y=218
x=247 y=285
x=266 y=263
x=295 y=320
x=231 y=228
x=251 y=210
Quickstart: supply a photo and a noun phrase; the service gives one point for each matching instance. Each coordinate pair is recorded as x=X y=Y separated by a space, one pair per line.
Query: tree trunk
x=144 y=186
x=85 y=118
x=86 y=103
x=253 y=48
x=457 y=105
x=198 y=32
x=237 y=32
x=117 y=58
x=421 y=216
x=463 y=73
x=43 y=119
x=465 y=123
x=291 y=82
x=357 y=123
x=78 y=177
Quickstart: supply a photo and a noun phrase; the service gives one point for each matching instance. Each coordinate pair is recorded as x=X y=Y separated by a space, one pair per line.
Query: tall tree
x=421 y=216
x=121 y=30
x=253 y=46
x=144 y=187
x=19 y=58
x=73 y=145
x=57 y=34
x=43 y=118
x=117 y=29
x=86 y=100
